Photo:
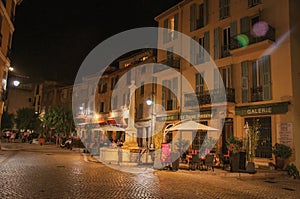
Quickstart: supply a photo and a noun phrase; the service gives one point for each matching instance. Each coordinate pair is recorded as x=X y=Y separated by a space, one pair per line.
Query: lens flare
x=260 y=29
x=243 y=40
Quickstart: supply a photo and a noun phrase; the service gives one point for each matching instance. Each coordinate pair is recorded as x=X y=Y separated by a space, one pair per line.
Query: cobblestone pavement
x=33 y=171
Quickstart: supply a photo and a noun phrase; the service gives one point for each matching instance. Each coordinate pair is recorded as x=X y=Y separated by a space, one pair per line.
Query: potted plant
x=282 y=153
x=235 y=146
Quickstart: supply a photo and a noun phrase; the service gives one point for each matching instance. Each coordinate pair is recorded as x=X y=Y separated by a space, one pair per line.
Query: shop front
x=266 y=120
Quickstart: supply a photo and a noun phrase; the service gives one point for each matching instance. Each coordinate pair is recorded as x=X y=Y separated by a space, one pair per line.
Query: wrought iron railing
x=173 y=63
x=218 y=95
x=238 y=41
x=256 y=94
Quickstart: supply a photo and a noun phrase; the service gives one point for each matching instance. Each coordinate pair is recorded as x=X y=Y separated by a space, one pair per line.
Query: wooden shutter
x=245 y=25
x=193 y=17
x=206 y=47
x=216 y=43
x=197 y=82
x=175 y=25
x=175 y=92
x=233 y=34
x=205 y=12
x=245 y=86
x=266 y=78
x=163 y=94
x=193 y=51
x=166 y=24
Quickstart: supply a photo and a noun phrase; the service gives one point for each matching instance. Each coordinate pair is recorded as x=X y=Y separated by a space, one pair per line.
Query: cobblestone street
x=33 y=171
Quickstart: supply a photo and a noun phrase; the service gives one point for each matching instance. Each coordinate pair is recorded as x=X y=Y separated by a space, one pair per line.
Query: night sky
x=52 y=38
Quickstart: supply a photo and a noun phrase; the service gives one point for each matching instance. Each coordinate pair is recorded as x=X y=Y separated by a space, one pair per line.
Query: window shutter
x=193 y=17
x=201 y=78
x=221 y=9
x=164 y=84
x=205 y=11
x=266 y=78
x=245 y=86
x=175 y=90
x=233 y=34
x=229 y=76
x=175 y=25
x=216 y=79
x=193 y=51
x=245 y=25
x=216 y=43
x=198 y=82
x=206 y=47
x=166 y=24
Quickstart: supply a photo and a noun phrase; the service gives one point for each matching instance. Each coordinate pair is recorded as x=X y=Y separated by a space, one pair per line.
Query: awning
x=108 y=128
x=189 y=126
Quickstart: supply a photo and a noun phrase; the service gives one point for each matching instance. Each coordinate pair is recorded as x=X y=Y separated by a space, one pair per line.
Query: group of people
x=9 y=136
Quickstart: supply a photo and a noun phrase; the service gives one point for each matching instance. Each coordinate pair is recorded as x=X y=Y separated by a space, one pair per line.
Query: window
x=102 y=88
x=200 y=83
x=224 y=9
x=252 y=3
x=114 y=81
x=115 y=102
x=142 y=88
x=264 y=145
x=201 y=55
x=226 y=42
x=143 y=69
x=128 y=80
x=258 y=73
x=198 y=15
x=140 y=111
x=226 y=76
x=169 y=93
x=171 y=25
x=102 y=107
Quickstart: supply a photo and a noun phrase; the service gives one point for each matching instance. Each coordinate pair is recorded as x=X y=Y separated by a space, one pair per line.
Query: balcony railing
x=218 y=96
x=235 y=43
x=256 y=94
x=225 y=51
x=173 y=63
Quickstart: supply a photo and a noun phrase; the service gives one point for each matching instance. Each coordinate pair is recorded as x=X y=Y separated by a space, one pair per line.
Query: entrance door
x=227 y=132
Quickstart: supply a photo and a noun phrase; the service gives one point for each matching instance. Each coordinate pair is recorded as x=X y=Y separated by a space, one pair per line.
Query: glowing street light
x=16 y=83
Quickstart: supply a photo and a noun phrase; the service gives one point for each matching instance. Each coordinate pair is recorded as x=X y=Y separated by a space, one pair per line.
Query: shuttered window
x=245 y=86
x=216 y=43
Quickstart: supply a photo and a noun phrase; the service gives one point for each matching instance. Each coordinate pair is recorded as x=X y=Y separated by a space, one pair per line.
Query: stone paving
x=33 y=171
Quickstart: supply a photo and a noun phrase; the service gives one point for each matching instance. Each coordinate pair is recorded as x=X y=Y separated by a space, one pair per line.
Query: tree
x=60 y=118
x=27 y=119
x=7 y=121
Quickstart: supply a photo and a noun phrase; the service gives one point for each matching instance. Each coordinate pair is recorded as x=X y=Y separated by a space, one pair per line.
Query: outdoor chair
x=209 y=161
x=194 y=162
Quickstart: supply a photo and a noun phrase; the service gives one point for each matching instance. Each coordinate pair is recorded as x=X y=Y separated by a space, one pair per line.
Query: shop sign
x=262 y=109
x=285 y=134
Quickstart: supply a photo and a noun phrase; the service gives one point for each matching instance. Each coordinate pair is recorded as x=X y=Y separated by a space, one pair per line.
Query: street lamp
x=150 y=102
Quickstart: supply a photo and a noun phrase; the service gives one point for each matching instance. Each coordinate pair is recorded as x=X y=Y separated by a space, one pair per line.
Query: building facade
x=7 y=15
x=254 y=52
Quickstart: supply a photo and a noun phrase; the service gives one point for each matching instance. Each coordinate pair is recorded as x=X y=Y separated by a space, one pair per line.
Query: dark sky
x=53 y=37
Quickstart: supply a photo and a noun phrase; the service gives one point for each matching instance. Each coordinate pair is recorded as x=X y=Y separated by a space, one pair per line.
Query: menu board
x=285 y=134
x=166 y=152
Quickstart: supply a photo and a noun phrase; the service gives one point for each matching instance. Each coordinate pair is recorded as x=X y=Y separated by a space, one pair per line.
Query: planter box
x=234 y=159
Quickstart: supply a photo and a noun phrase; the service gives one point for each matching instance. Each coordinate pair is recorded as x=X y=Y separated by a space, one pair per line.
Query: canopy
x=108 y=128
x=190 y=126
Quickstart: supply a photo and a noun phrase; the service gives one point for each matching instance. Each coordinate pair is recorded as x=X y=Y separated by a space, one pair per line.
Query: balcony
x=225 y=51
x=256 y=94
x=235 y=43
x=204 y=98
x=173 y=63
